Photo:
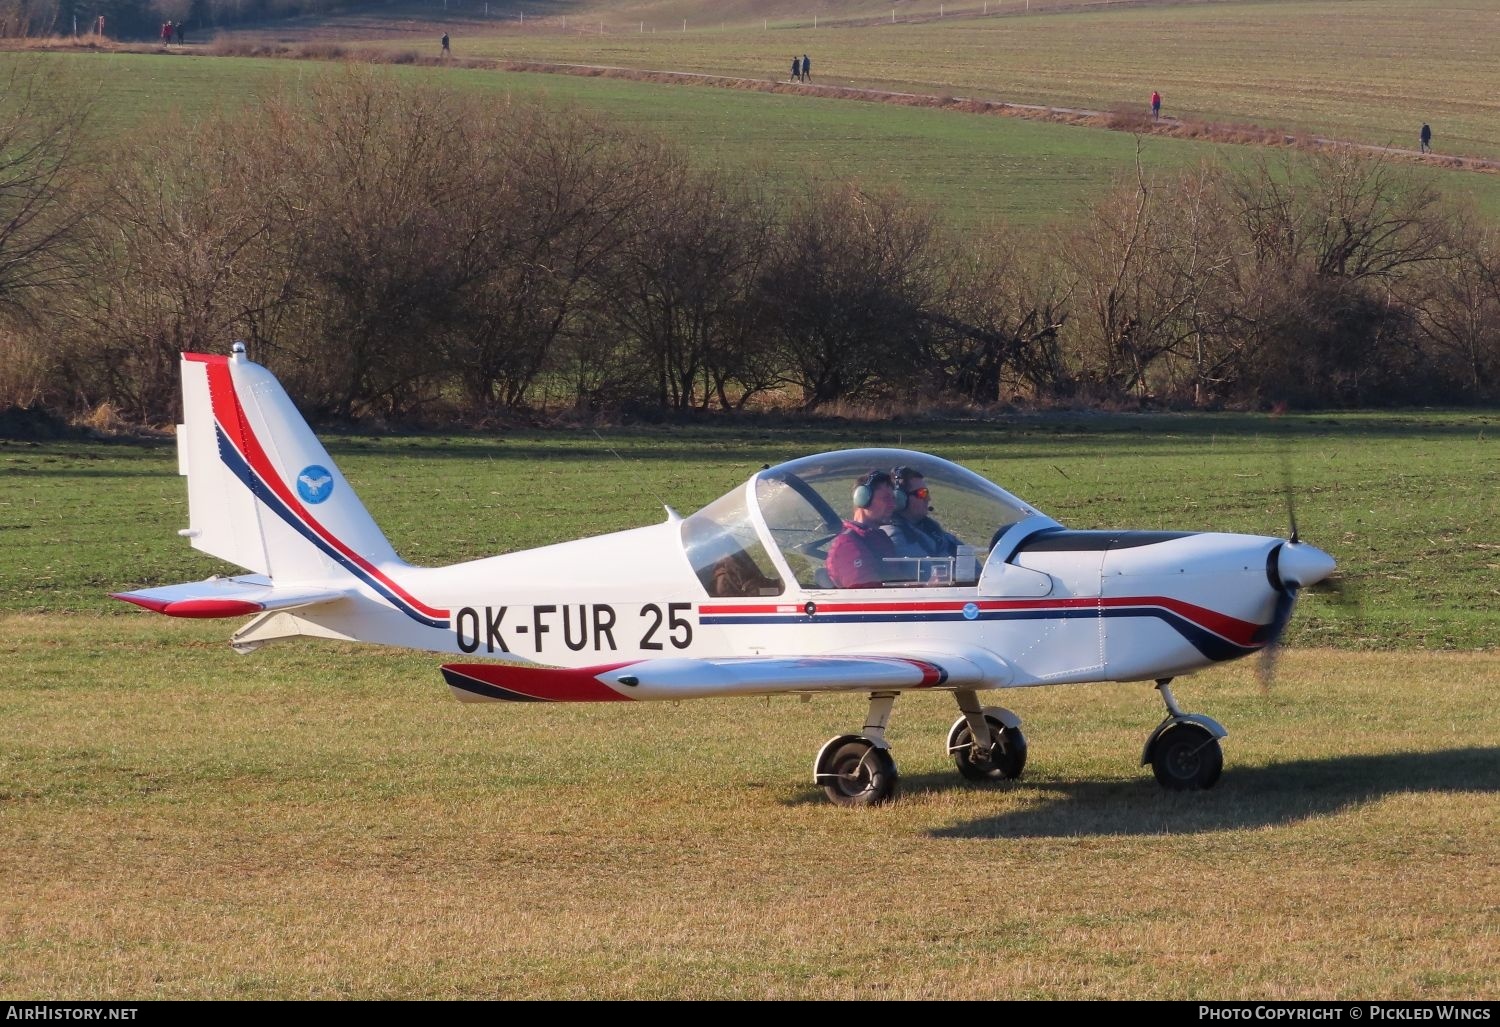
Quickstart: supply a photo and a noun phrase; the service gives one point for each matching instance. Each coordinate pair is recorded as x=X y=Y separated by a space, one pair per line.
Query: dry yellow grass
x=319 y=821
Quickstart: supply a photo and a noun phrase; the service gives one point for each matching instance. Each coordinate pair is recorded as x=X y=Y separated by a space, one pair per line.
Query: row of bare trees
x=397 y=251
x=142 y=19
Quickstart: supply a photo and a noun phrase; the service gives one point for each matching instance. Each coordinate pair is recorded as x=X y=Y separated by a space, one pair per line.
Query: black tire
x=1007 y=756
x=864 y=775
x=1186 y=758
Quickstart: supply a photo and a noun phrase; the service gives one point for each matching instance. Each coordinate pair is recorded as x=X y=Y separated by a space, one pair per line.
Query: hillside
x=1370 y=71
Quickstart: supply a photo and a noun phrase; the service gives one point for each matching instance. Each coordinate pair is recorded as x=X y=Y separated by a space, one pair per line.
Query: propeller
x=1291 y=567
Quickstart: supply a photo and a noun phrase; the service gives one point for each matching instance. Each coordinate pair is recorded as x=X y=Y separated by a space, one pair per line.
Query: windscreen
x=805 y=502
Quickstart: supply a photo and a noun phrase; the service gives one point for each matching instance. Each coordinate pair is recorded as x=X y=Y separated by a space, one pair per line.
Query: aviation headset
x=864 y=488
x=899 y=478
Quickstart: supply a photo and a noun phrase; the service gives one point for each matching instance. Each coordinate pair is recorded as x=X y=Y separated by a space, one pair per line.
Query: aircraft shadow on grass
x=1246 y=797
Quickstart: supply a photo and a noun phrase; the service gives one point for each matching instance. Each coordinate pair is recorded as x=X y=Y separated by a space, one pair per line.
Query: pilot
x=912 y=530
x=855 y=560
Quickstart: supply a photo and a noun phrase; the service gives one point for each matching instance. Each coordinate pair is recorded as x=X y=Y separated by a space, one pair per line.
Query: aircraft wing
x=227 y=597
x=684 y=678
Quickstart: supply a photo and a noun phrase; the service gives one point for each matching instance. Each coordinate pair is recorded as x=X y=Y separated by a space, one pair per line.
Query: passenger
x=912 y=530
x=737 y=576
x=856 y=558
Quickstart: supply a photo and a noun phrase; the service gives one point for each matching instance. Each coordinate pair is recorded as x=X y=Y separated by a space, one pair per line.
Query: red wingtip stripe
x=205 y=609
x=198 y=609
x=932 y=674
x=546 y=683
x=205 y=358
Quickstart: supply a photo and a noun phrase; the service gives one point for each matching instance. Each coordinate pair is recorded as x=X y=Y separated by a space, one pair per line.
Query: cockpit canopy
x=781 y=522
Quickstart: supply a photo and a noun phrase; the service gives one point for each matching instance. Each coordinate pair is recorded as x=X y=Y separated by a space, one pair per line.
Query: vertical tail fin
x=262 y=491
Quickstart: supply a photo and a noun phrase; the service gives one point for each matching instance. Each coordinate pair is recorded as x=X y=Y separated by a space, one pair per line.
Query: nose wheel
x=1187 y=758
x=1184 y=750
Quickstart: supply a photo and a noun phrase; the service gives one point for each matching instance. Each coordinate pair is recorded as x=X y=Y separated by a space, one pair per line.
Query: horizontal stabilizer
x=227 y=597
x=681 y=678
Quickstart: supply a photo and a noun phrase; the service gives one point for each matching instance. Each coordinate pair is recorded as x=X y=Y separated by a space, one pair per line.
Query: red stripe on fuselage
x=236 y=426
x=1232 y=628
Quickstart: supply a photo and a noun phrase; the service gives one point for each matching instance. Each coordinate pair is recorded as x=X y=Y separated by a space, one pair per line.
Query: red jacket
x=854 y=559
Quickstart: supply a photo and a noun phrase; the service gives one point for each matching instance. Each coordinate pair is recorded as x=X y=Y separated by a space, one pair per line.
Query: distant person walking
x=806 y=68
x=796 y=70
x=1426 y=138
x=446 y=52
x=1155 y=105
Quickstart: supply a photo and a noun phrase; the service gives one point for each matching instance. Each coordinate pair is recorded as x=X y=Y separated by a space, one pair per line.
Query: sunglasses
x=922 y=493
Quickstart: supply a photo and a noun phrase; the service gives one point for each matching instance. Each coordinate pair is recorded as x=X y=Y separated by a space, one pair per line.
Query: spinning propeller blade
x=1291 y=567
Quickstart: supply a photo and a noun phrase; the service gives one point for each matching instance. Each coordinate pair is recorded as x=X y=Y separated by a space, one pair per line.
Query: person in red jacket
x=1155 y=105
x=856 y=558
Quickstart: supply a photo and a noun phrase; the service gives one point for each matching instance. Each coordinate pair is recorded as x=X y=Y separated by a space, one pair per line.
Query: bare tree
x=850 y=276
x=46 y=195
x=1457 y=305
x=560 y=200
x=185 y=259
x=998 y=325
x=1328 y=242
x=20 y=18
x=1146 y=263
x=44 y=168
x=681 y=286
x=372 y=211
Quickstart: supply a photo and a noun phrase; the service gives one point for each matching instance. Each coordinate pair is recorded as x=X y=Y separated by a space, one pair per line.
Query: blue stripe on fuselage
x=1211 y=645
x=242 y=470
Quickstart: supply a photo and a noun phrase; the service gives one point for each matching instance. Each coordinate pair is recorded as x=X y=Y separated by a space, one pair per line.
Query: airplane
x=735 y=599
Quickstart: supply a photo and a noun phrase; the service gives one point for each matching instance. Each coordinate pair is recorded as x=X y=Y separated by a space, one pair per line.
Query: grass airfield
x=316 y=822
x=324 y=821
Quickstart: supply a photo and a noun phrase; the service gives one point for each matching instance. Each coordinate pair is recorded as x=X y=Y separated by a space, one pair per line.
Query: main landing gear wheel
x=860 y=773
x=1186 y=757
x=1005 y=759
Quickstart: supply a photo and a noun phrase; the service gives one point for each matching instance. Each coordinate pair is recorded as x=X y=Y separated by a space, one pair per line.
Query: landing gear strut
x=1184 y=750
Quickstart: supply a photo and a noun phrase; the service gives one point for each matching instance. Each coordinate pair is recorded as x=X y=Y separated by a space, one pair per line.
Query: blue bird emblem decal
x=314 y=484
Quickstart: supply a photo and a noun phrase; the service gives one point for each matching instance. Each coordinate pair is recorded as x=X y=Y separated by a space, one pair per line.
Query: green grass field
x=1407 y=502
x=976 y=169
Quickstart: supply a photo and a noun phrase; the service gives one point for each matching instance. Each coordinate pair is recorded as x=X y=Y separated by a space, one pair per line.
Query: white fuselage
x=1086 y=612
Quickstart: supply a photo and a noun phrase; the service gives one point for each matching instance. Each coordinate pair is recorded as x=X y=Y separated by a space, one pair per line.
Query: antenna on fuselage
x=672 y=515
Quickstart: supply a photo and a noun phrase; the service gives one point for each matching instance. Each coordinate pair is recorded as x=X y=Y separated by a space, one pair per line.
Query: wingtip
x=192 y=609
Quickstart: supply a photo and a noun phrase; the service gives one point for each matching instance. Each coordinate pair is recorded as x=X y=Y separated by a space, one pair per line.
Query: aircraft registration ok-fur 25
x=739 y=598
